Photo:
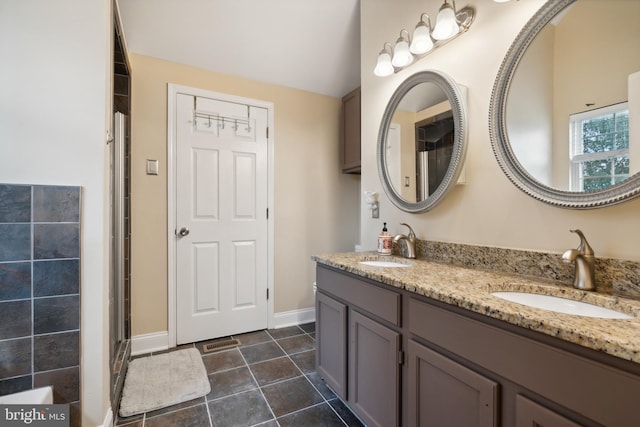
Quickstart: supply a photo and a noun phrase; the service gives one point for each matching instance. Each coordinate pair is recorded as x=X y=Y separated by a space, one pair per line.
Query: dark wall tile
x=15 y=385
x=15 y=203
x=65 y=382
x=15 y=280
x=57 y=277
x=56 y=314
x=15 y=242
x=55 y=351
x=56 y=204
x=15 y=357
x=121 y=104
x=15 y=319
x=56 y=241
x=121 y=84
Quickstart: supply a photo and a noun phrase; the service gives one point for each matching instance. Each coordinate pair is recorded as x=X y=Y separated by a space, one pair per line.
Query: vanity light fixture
x=450 y=23
x=401 y=54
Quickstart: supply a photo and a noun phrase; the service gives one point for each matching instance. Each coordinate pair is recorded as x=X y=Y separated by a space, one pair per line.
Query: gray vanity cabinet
x=398 y=358
x=331 y=332
x=445 y=393
x=367 y=345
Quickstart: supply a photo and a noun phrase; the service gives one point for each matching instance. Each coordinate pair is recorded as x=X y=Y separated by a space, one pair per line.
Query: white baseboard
x=108 y=419
x=142 y=344
x=158 y=341
x=294 y=317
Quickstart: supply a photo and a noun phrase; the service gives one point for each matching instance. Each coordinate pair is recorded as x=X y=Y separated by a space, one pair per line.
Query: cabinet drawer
x=380 y=302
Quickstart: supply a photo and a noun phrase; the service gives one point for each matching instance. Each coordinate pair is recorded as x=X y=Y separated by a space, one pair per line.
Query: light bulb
x=421 y=42
x=401 y=54
x=446 y=23
x=383 y=66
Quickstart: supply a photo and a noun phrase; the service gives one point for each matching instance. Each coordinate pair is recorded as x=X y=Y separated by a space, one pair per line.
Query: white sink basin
x=386 y=264
x=561 y=305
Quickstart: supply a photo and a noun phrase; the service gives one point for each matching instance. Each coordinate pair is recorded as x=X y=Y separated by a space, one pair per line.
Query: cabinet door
x=350 y=139
x=444 y=393
x=374 y=371
x=331 y=343
x=529 y=413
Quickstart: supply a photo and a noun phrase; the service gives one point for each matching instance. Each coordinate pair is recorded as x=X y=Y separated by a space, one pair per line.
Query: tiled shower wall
x=40 y=291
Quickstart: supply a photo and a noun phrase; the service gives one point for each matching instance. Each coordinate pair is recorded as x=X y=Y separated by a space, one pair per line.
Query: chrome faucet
x=585 y=259
x=410 y=241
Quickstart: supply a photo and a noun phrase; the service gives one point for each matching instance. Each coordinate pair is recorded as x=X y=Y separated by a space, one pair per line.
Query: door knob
x=184 y=231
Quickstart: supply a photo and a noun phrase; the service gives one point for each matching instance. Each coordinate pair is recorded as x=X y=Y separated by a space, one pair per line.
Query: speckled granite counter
x=471 y=289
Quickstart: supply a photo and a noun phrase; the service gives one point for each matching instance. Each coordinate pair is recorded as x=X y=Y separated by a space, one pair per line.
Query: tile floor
x=269 y=380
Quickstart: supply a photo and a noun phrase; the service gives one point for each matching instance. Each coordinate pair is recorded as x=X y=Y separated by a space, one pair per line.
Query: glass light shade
x=446 y=23
x=421 y=42
x=383 y=66
x=401 y=54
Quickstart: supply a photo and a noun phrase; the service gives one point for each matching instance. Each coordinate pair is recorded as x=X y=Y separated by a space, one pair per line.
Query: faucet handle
x=412 y=235
x=584 y=246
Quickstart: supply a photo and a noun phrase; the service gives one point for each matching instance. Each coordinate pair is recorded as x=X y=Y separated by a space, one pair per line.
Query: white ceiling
x=312 y=45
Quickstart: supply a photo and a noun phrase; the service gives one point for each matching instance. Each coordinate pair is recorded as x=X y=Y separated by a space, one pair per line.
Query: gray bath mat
x=155 y=382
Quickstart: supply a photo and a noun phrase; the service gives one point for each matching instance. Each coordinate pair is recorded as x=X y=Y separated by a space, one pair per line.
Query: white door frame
x=172 y=92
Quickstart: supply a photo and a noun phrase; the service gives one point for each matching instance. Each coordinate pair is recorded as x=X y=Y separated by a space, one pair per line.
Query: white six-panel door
x=221 y=217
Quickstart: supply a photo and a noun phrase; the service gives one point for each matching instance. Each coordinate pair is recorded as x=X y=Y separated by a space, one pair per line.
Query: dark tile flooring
x=269 y=380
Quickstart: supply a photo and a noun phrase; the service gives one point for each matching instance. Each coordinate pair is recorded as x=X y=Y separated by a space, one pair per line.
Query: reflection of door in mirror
x=419 y=178
x=582 y=60
x=434 y=147
x=394 y=153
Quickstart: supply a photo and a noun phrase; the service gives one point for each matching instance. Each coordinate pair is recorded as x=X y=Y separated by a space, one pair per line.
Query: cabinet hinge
x=267 y=213
x=400 y=357
x=267 y=293
x=267 y=132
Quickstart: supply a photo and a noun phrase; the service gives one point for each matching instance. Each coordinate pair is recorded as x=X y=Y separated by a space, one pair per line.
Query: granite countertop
x=471 y=289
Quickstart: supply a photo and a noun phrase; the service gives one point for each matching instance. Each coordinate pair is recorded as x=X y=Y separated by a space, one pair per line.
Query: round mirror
x=422 y=141
x=565 y=109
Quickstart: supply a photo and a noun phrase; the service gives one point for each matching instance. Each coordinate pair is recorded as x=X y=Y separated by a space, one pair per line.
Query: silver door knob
x=184 y=231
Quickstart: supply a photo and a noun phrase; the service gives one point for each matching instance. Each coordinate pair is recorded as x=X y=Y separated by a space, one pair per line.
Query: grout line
x=260 y=389
x=324 y=399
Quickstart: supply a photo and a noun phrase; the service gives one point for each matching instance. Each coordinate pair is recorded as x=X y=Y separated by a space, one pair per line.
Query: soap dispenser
x=385 y=242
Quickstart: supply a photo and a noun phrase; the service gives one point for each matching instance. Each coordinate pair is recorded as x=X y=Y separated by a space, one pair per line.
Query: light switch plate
x=152 y=167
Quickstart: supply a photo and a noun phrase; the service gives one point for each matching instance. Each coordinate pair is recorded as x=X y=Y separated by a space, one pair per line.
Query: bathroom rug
x=166 y=379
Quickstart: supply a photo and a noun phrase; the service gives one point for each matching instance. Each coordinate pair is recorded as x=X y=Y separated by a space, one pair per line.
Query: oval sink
x=386 y=264
x=561 y=305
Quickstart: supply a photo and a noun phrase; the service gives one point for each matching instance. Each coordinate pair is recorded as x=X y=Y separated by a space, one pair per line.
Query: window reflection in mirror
x=584 y=60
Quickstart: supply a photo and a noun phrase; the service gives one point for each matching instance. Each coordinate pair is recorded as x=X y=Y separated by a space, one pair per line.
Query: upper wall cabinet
x=350 y=133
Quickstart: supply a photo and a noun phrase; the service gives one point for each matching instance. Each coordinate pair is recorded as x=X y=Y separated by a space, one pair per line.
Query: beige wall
x=316 y=207
x=488 y=209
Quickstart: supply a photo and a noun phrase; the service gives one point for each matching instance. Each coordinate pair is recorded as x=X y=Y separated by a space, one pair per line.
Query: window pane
x=621 y=166
x=622 y=130
x=592 y=184
x=596 y=168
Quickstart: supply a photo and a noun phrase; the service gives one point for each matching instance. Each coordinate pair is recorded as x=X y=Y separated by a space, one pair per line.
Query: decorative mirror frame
x=507 y=160
x=454 y=96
